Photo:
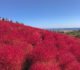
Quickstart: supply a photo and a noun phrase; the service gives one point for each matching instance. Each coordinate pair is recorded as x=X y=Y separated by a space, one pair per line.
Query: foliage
x=27 y=48
x=72 y=33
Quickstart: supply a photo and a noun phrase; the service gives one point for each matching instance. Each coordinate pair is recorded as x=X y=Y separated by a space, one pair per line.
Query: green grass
x=72 y=33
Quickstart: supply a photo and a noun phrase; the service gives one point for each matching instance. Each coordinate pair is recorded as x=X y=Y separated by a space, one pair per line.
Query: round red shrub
x=44 y=66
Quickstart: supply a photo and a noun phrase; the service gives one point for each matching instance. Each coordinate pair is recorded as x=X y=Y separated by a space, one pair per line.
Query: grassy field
x=71 y=33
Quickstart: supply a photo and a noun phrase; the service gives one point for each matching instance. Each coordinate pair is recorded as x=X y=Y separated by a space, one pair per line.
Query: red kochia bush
x=41 y=54
x=44 y=66
x=11 y=58
x=27 y=48
x=73 y=66
x=65 y=57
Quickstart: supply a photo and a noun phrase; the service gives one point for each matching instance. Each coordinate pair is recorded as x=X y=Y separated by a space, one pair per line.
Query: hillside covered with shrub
x=28 y=48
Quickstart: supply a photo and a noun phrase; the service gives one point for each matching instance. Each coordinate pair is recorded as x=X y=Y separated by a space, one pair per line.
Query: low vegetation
x=27 y=48
x=71 y=33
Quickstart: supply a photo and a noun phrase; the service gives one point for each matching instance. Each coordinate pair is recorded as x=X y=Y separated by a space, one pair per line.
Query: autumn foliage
x=28 y=48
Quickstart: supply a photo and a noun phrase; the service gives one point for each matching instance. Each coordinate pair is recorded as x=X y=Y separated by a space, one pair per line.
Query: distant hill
x=62 y=29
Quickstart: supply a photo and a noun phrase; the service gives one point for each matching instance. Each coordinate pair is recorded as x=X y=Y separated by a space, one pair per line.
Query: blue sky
x=42 y=13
